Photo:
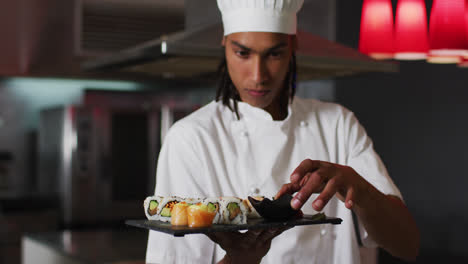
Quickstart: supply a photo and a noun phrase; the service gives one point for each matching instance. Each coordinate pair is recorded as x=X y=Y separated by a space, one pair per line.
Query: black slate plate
x=179 y=231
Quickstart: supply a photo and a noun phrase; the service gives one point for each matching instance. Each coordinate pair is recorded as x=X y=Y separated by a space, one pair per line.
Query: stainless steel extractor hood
x=196 y=51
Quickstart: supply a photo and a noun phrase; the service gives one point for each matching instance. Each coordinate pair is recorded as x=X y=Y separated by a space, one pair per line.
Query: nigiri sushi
x=179 y=214
x=200 y=215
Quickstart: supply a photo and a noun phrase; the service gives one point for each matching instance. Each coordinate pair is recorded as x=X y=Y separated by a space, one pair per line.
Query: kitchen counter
x=16 y=220
x=92 y=246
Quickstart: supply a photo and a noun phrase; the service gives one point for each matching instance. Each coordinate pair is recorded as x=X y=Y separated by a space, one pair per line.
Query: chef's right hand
x=245 y=248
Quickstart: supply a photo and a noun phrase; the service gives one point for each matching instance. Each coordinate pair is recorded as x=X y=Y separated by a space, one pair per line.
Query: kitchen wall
x=417 y=119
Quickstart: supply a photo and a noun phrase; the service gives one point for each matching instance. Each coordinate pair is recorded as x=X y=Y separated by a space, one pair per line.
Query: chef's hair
x=227 y=91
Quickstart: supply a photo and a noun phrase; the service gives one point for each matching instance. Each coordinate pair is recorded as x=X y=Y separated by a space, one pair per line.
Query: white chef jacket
x=211 y=153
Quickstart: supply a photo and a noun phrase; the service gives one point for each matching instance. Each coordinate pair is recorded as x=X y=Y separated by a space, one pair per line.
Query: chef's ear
x=223 y=41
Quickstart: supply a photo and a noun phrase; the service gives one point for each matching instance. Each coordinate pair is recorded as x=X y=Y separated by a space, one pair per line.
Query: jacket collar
x=252 y=113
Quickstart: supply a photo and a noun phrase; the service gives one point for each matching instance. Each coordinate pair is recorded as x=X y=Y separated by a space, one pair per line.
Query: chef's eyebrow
x=277 y=46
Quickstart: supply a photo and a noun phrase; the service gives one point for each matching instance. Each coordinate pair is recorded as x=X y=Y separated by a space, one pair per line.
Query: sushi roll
x=165 y=207
x=233 y=211
x=191 y=201
x=252 y=212
x=151 y=206
x=214 y=205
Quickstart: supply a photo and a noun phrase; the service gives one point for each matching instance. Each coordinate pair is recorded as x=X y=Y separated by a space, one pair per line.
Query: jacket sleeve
x=179 y=172
x=362 y=157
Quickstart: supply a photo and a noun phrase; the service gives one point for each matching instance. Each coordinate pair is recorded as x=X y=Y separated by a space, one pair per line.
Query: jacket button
x=244 y=133
x=254 y=190
x=323 y=232
x=303 y=124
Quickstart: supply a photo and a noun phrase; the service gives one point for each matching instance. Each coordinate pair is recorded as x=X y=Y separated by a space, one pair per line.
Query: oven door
x=114 y=165
x=129 y=145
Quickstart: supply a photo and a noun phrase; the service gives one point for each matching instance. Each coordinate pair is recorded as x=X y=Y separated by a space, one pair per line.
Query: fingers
x=288 y=188
x=313 y=183
x=212 y=237
x=349 y=201
x=251 y=237
x=299 y=177
x=218 y=238
x=328 y=192
x=269 y=234
x=305 y=167
x=224 y=239
x=313 y=176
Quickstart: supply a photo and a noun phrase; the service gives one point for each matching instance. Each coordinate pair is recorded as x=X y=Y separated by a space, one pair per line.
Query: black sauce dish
x=277 y=209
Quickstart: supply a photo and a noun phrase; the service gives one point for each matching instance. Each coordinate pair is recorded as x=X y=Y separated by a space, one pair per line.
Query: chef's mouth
x=257 y=93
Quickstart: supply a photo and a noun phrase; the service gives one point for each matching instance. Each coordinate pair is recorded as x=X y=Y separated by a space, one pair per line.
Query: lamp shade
x=466 y=18
x=447 y=29
x=443 y=59
x=376 y=33
x=465 y=56
x=411 y=39
x=463 y=63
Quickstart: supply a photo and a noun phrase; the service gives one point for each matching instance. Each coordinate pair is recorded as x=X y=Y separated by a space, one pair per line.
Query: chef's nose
x=259 y=70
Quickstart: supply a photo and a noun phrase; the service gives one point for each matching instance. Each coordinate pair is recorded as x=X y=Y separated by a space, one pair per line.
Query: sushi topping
x=170 y=204
x=210 y=208
x=234 y=210
x=166 y=211
x=153 y=207
x=199 y=215
x=179 y=214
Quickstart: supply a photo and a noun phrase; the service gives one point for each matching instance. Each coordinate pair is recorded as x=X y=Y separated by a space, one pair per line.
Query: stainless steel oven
x=99 y=161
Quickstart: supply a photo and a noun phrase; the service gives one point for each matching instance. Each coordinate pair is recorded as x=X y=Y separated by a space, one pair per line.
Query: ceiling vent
x=108 y=26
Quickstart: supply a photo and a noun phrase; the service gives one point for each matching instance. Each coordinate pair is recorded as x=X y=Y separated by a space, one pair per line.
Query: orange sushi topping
x=171 y=204
x=179 y=214
x=199 y=216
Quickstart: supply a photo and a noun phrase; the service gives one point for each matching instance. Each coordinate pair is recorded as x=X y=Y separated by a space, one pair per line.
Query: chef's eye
x=276 y=54
x=242 y=53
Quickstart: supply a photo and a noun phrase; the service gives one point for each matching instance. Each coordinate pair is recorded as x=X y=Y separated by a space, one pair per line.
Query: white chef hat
x=259 y=15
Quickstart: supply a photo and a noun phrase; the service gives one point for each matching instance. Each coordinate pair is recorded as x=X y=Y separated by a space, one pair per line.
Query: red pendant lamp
x=465 y=56
x=376 y=34
x=411 y=39
x=446 y=40
x=464 y=60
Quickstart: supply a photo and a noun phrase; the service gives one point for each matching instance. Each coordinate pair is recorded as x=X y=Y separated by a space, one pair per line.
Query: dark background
x=418 y=121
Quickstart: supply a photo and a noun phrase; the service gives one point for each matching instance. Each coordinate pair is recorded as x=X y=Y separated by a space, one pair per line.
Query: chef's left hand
x=245 y=248
x=328 y=179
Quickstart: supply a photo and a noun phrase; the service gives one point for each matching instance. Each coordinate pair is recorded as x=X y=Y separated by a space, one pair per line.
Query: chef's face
x=258 y=63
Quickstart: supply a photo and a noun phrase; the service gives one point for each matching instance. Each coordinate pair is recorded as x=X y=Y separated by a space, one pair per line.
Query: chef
x=257 y=138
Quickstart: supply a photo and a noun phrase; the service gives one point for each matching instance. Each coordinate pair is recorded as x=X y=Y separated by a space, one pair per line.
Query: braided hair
x=226 y=90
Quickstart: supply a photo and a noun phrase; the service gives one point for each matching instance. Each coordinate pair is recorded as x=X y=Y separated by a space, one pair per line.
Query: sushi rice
x=216 y=203
x=151 y=206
